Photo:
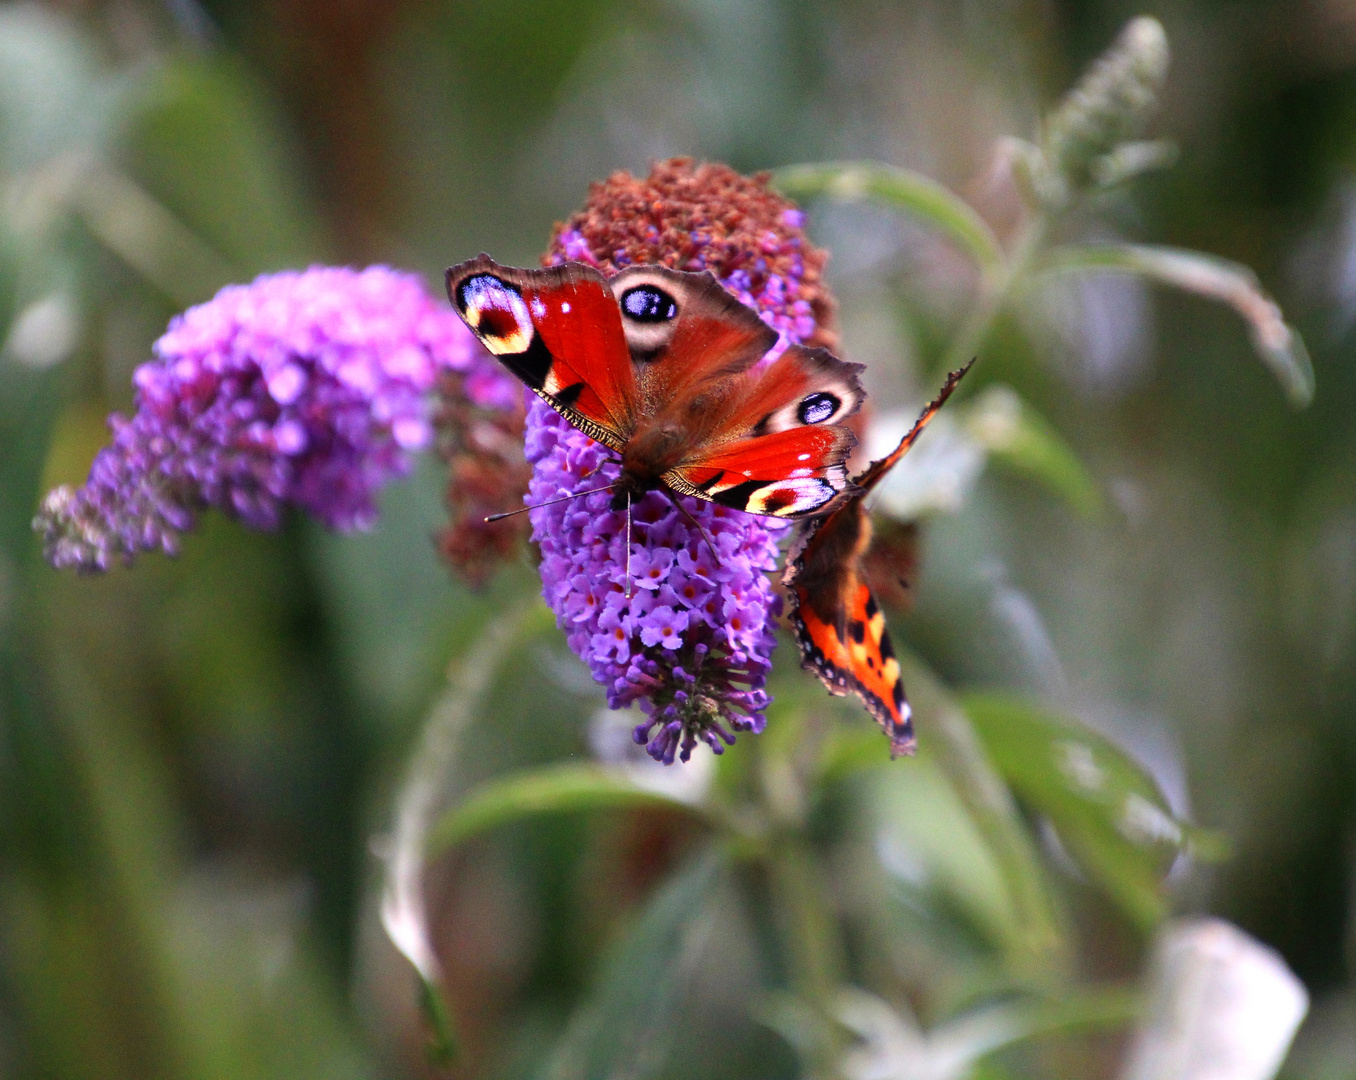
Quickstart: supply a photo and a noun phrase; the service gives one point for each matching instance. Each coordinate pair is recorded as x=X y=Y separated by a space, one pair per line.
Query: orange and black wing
x=839 y=627
x=838 y=624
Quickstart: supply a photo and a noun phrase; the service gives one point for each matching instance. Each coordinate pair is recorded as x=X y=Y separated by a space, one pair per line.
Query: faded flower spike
x=692 y=641
x=305 y=388
x=1106 y=106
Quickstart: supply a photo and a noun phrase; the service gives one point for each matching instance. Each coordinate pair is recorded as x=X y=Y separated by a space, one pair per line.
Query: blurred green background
x=198 y=754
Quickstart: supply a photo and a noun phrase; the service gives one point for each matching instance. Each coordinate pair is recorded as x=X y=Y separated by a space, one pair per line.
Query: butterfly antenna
x=876 y=469
x=548 y=502
x=628 y=544
x=700 y=527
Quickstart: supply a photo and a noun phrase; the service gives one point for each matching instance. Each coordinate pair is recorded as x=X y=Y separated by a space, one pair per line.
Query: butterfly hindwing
x=560 y=331
x=780 y=448
x=791 y=473
x=838 y=624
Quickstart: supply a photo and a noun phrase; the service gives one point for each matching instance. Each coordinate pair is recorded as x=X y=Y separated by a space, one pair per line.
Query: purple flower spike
x=693 y=640
x=692 y=644
x=303 y=387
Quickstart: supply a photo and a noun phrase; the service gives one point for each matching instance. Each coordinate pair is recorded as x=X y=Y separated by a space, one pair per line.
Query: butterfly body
x=839 y=626
x=676 y=376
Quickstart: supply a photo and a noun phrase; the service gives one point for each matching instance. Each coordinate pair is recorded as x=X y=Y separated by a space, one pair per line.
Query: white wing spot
x=803 y=457
x=565 y=307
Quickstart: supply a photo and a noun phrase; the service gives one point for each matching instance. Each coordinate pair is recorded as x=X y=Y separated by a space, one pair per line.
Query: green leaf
x=901 y=189
x=129 y=221
x=554 y=789
x=893 y=1044
x=1132 y=159
x=1277 y=343
x=442 y=1034
x=1017 y=436
x=55 y=96
x=927 y=840
x=1108 y=811
x=626 y=1025
x=951 y=807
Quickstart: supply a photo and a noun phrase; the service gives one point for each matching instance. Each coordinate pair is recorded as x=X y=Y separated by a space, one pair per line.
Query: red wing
x=560 y=331
x=777 y=442
x=839 y=626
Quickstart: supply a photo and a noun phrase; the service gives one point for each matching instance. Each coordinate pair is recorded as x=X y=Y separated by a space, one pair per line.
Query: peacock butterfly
x=838 y=624
x=672 y=373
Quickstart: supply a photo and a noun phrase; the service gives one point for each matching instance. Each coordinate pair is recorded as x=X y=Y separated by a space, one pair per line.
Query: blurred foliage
x=221 y=774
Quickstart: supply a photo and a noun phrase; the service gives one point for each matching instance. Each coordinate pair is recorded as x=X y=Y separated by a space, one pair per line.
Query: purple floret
x=305 y=388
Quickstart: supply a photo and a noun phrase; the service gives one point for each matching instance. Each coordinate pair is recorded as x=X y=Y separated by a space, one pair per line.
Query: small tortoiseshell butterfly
x=663 y=367
x=839 y=626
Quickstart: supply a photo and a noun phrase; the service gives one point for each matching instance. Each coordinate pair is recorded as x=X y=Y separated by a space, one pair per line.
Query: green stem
x=803 y=912
x=1037 y=948
x=1040 y=948
x=811 y=949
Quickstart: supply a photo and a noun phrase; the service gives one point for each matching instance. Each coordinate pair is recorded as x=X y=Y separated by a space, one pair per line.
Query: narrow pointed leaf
x=900 y=189
x=1276 y=342
x=402 y=906
x=626 y=1026
x=988 y=862
x=1108 y=812
x=1015 y=435
x=554 y=789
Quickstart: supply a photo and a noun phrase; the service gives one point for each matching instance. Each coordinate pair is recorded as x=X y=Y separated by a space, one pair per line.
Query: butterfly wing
x=687 y=335
x=671 y=370
x=838 y=624
x=781 y=446
x=560 y=331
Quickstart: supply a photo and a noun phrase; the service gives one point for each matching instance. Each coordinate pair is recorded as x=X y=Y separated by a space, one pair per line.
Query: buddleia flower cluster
x=307 y=389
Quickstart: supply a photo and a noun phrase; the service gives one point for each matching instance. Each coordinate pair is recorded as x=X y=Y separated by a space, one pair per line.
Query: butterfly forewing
x=560 y=331
x=684 y=331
